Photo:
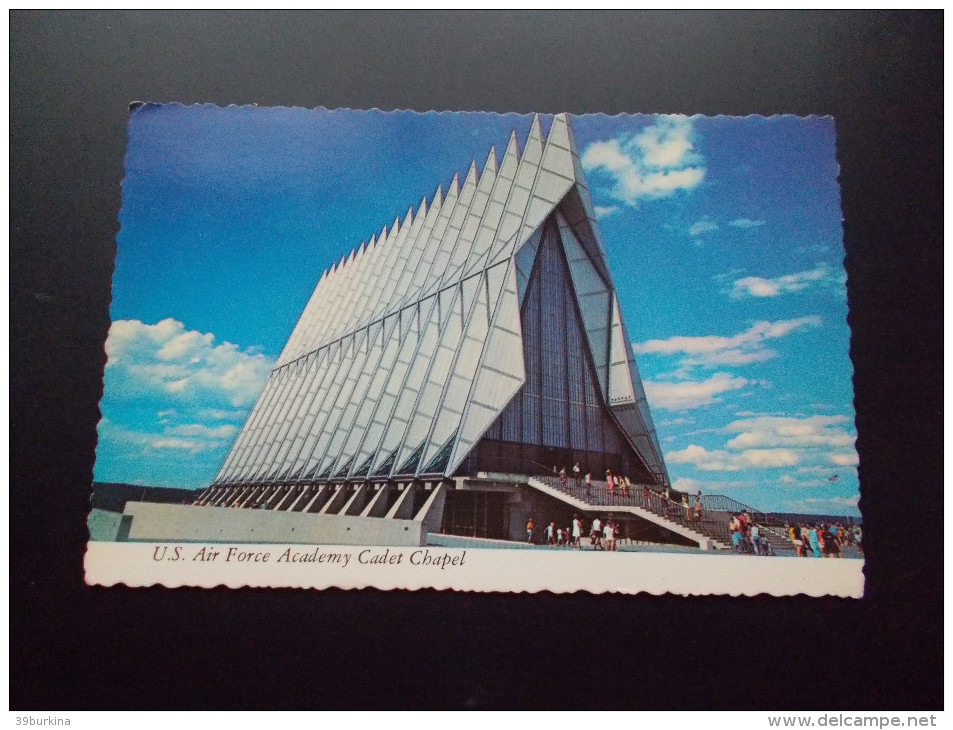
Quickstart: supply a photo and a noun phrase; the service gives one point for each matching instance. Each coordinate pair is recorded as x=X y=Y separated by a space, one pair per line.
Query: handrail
x=711 y=524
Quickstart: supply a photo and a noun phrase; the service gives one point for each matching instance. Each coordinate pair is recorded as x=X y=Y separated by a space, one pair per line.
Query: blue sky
x=723 y=237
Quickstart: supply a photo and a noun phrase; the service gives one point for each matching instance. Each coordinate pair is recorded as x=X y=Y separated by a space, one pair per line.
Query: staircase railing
x=713 y=525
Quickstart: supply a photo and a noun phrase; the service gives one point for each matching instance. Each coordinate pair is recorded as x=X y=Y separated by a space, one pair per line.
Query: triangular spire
x=490 y=163
x=512 y=149
x=534 y=142
x=471 y=174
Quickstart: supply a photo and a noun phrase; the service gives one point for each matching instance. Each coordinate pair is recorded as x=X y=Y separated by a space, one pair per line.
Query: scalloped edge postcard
x=478 y=351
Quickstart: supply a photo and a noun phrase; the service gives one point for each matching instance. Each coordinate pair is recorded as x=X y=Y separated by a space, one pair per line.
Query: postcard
x=478 y=351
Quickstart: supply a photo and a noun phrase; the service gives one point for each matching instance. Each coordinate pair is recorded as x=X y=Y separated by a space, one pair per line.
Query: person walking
x=529 y=531
x=734 y=527
x=576 y=530
x=575 y=474
x=550 y=529
x=588 y=485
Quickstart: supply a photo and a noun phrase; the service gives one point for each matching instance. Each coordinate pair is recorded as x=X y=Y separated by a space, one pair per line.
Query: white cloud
x=187 y=364
x=721 y=460
x=193 y=438
x=680 y=421
x=198 y=429
x=717 y=350
x=845 y=459
x=167 y=392
x=746 y=223
x=220 y=414
x=675 y=396
x=604 y=211
x=837 y=501
x=702 y=227
x=687 y=484
x=757 y=286
x=789 y=431
x=655 y=163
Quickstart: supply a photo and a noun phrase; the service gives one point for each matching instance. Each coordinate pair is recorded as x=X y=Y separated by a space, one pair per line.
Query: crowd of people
x=602 y=534
x=621 y=485
x=824 y=539
x=746 y=535
x=809 y=540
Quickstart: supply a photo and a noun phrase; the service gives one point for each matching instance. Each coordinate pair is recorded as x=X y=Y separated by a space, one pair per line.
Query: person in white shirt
x=596 y=534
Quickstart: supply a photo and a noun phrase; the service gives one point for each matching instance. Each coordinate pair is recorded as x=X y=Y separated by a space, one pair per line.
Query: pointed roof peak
x=535 y=128
x=471 y=173
x=454 y=184
x=491 y=162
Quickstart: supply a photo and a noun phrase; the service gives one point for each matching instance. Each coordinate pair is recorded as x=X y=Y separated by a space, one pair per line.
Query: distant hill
x=112 y=496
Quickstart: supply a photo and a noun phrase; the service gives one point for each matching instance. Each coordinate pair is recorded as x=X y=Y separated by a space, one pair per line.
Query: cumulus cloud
x=604 y=211
x=848 y=458
x=746 y=223
x=760 y=287
x=680 y=421
x=722 y=460
x=199 y=429
x=809 y=443
x=190 y=438
x=654 y=163
x=676 y=396
x=172 y=396
x=700 y=228
x=166 y=357
x=717 y=350
x=789 y=431
x=688 y=484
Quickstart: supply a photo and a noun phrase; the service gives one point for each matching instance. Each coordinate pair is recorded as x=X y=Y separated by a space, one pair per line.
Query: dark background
x=72 y=76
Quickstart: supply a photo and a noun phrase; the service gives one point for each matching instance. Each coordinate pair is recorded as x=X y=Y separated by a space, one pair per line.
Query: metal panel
x=500 y=375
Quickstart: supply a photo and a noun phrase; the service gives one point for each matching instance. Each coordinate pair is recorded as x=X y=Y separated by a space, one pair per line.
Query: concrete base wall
x=103 y=525
x=169 y=522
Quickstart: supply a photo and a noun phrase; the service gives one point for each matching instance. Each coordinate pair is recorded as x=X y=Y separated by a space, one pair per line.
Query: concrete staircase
x=599 y=499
